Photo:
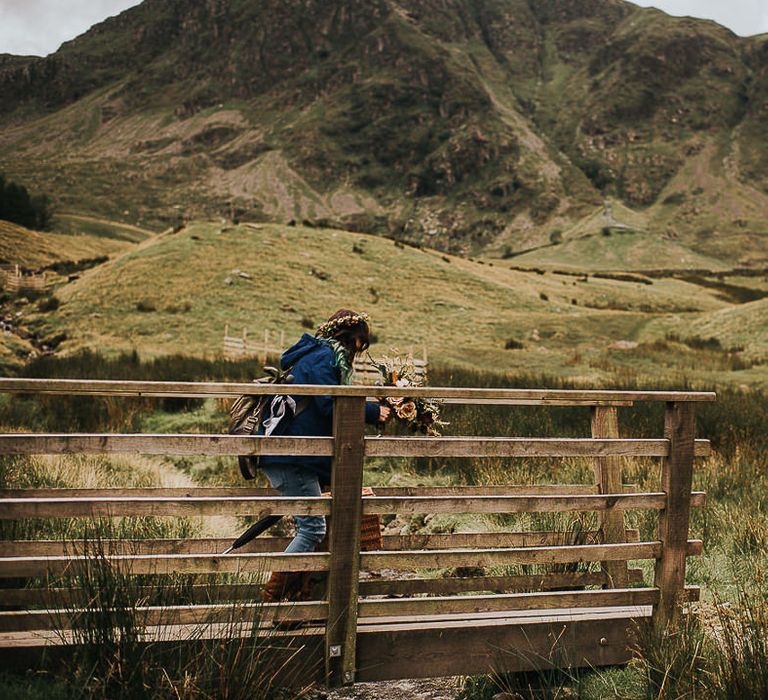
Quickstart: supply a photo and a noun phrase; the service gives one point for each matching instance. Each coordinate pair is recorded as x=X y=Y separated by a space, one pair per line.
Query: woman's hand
x=385 y=413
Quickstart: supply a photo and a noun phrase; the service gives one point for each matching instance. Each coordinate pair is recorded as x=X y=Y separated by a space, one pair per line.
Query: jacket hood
x=302 y=347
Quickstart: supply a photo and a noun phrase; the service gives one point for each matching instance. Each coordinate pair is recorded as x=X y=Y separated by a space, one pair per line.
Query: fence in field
x=580 y=598
x=14 y=280
x=238 y=347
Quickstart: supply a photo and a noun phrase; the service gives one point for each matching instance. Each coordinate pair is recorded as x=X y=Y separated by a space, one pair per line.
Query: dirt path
x=108 y=222
x=425 y=689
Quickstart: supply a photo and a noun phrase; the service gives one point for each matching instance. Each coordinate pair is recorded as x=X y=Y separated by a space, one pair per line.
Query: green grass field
x=34 y=249
x=178 y=292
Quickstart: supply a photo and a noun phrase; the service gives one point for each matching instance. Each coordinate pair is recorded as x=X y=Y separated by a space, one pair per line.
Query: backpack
x=249 y=410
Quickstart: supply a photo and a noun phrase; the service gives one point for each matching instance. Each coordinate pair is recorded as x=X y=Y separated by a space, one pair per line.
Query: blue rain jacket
x=313 y=362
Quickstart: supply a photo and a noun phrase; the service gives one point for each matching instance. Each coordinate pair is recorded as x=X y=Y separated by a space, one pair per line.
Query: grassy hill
x=34 y=249
x=618 y=248
x=177 y=292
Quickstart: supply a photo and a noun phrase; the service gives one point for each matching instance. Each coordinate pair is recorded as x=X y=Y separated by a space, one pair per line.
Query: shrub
x=18 y=206
x=674 y=198
x=513 y=344
x=307 y=322
x=145 y=306
x=47 y=304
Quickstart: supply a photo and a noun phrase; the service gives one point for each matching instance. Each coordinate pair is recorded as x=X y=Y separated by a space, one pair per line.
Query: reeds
x=121 y=654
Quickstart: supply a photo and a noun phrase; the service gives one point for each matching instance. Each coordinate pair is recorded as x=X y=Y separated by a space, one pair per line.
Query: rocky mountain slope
x=480 y=126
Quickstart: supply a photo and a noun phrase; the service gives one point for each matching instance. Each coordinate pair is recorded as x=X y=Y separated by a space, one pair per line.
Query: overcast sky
x=38 y=27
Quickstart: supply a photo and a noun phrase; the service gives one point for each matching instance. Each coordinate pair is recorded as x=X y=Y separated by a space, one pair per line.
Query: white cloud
x=744 y=17
x=39 y=27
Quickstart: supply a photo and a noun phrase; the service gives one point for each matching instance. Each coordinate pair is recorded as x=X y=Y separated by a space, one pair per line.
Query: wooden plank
x=479 y=558
x=409 y=608
x=506 y=645
x=16 y=567
x=481 y=608
x=506 y=490
x=676 y=479
x=172 y=634
x=605 y=424
x=535 y=402
x=222 y=445
x=470 y=605
x=57 y=596
x=67 y=618
x=261 y=506
x=103 y=387
x=162 y=444
x=344 y=540
x=519 y=447
x=522 y=582
x=216 y=545
x=206 y=593
x=140 y=492
x=698 y=498
x=512 y=504
x=255 y=506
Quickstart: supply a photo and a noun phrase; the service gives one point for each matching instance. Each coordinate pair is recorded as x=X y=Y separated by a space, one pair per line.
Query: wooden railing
x=587 y=614
x=14 y=280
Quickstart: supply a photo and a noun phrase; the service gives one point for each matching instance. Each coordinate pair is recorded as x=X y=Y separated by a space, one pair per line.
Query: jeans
x=293 y=480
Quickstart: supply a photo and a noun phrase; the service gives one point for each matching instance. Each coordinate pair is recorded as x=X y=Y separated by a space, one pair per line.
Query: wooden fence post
x=344 y=539
x=676 y=482
x=605 y=424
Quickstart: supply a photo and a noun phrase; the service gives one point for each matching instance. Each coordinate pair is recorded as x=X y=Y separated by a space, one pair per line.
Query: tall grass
x=117 y=655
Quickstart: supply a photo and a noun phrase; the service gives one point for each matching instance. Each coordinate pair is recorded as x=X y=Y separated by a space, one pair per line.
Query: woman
x=325 y=359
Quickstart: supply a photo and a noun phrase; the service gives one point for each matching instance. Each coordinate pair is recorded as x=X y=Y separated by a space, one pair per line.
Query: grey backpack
x=249 y=411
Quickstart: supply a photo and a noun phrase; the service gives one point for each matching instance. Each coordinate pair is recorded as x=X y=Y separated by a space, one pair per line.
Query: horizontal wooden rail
x=14 y=567
x=221 y=445
x=103 y=387
x=455 y=605
x=452 y=605
x=211 y=592
x=189 y=506
x=538 y=402
x=520 y=447
x=519 y=582
x=216 y=545
x=566 y=554
x=217 y=491
x=165 y=444
x=66 y=618
x=516 y=504
x=261 y=506
x=372 y=561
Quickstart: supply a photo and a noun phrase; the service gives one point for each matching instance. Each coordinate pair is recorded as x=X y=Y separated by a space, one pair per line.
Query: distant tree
x=18 y=206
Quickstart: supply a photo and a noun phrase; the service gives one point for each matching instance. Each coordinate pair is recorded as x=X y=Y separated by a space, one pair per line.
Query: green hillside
x=177 y=293
x=35 y=249
x=617 y=248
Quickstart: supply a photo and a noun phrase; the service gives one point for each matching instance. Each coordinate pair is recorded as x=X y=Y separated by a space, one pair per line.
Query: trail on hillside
x=107 y=222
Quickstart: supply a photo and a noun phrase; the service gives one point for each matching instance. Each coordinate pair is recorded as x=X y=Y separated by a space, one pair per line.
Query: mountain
x=477 y=126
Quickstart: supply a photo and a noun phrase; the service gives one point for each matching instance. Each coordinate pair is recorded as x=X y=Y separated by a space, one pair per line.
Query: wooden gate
x=437 y=626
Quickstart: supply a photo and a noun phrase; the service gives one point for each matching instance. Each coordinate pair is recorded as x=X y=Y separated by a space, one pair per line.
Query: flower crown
x=329 y=328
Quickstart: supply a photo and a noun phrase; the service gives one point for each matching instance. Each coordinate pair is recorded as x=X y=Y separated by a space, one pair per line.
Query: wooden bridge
x=368 y=628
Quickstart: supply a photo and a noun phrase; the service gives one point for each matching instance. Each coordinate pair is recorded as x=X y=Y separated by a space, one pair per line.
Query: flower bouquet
x=418 y=414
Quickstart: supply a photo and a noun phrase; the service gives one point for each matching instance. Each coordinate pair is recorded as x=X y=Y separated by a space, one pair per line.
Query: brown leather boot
x=285 y=585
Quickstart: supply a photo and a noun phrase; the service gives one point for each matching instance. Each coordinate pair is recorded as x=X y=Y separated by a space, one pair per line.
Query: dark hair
x=349 y=334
